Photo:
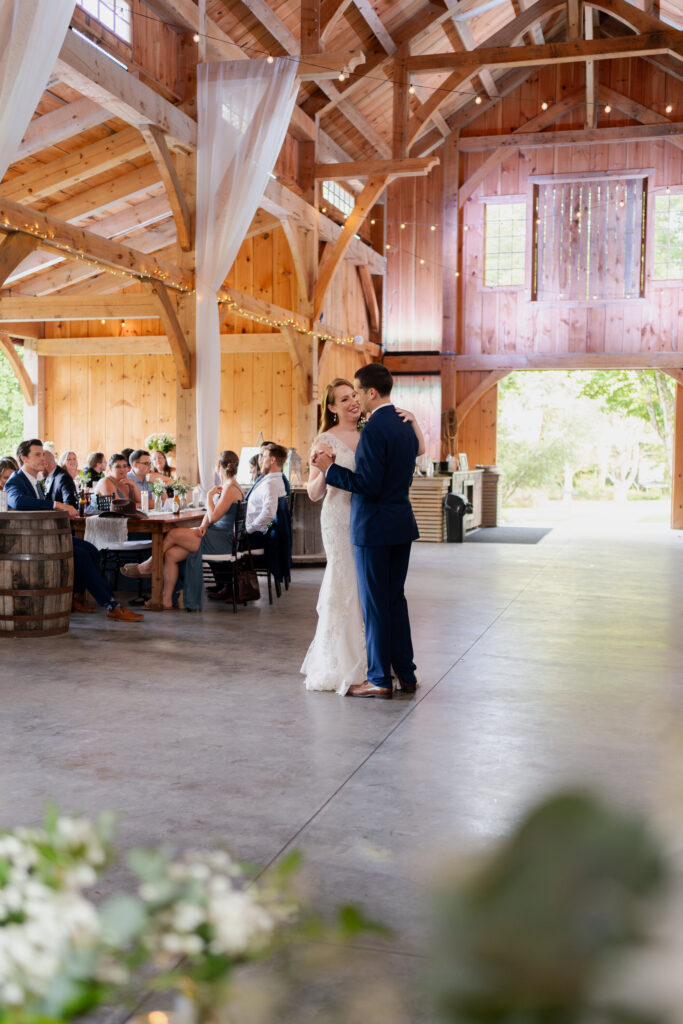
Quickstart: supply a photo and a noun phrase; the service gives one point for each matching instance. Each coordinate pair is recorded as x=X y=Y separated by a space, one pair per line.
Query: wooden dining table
x=158 y=524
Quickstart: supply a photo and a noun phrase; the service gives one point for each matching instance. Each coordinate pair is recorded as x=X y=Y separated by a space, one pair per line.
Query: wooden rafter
x=573 y=19
x=79 y=243
x=581 y=137
x=252 y=304
x=93 y=200
x=297 y=248
x=461 y=37
x=542 y=120
x=18 y=368
x=370 y=297
x=591 y=71
x=60 y=124
x=637 y=111
x=331 y=13
x=550 y=53
x=401 y=104
x=176 y=338
x=156 y=140
x=75 y=168
x=376 y=26
x=96 y=77
x=399 y=167
x=77 y=307
x=334 y=254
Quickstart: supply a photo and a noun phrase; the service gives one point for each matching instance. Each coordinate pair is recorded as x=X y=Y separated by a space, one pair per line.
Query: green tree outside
x=11 y=408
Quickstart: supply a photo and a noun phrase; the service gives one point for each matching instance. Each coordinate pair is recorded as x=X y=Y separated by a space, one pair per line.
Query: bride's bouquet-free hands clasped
x=322 y=457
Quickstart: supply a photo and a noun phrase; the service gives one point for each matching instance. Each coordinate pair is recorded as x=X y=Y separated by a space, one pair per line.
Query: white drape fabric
x=244 y=108
x=31 y=36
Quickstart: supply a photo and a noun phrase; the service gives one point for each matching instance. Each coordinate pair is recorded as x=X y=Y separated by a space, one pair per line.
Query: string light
x=544 y=105
x=608 y=109
x=478 y=100
x=388 y=246
x=373 y=221
x=403 y=227
x=342 y=76
x=669 y=108
x=296 y=324
x=195 y=37
x=433 y=227
x=421 y=263
x=269 y=59
x=411 y=90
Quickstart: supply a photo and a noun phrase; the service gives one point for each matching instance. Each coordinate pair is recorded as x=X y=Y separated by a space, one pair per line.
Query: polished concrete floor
x=543 y=665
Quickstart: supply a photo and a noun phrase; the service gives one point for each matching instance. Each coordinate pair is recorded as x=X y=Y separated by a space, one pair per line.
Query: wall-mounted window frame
x=341 y=198
x=115 y=16
x=513 y=243
x=562 y=205
x=664 y=269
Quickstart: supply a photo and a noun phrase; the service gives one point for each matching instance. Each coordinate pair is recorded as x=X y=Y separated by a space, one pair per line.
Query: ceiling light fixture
x=478 y=100
x=608 y=109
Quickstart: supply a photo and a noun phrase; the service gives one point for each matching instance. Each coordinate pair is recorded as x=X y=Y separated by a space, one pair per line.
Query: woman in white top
x=336 y=658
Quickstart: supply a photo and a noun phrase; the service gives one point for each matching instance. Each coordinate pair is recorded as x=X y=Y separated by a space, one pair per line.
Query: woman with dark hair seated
x=95 y=467
x=213 y=537
x=116 y=483
x=8 y=465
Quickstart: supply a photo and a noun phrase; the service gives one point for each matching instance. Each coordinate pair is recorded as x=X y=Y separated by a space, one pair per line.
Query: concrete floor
x=542 y=666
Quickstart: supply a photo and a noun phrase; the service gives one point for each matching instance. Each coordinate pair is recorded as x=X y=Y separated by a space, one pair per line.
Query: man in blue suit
x=382 y=529
x=25 y=493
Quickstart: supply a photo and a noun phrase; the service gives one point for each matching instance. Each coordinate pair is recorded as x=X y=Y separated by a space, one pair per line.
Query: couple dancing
x=367 y=536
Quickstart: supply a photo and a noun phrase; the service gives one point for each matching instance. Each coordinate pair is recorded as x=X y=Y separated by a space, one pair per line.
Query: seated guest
x=69 y=462
x=58 y=483
x=263 y=497
x=254 y=469
x=161 y=470
x=214 y=536
x=127 y=452
x=140 y=466
x=265 y=447
x=25 y=494
x=8 y=465
x=116 y=483
x=95 y=467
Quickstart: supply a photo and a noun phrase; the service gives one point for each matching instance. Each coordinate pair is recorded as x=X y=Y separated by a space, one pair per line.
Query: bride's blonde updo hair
x=329 y=418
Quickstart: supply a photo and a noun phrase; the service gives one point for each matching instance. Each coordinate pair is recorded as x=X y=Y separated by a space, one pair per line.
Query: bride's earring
x=335 y=417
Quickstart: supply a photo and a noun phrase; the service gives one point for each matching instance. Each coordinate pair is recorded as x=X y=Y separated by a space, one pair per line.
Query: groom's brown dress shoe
x=407 y=687
x=368 y=689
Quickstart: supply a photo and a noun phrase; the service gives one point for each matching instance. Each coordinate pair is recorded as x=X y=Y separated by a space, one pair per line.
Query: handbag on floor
x=246 y=579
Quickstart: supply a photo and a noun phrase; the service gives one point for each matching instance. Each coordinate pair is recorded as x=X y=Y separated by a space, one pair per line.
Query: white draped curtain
x=244 y=108
x=31 y=36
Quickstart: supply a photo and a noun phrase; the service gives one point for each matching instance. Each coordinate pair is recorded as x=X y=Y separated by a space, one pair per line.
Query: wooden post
x=401 y=109
x=34 y=415
x=450 y=163
x=677 y=464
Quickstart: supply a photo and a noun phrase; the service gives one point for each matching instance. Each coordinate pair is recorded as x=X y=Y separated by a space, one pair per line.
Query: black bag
x=246 y=580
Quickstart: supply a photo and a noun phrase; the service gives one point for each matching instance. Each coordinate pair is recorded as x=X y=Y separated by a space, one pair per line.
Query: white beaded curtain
x=244 y=108
x=31 y=36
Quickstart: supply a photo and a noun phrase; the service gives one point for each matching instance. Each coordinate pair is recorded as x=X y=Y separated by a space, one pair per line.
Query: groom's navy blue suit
x=382 y=529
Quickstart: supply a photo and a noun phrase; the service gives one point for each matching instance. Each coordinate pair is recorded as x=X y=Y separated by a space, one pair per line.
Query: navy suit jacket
x=381 y=513
x=61 y=487
x=22 y=498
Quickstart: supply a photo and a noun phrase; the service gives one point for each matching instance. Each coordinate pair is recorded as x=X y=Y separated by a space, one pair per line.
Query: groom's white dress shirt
x=262 y=502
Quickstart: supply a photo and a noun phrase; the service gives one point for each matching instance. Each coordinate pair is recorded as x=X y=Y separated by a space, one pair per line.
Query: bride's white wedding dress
x=336 y=658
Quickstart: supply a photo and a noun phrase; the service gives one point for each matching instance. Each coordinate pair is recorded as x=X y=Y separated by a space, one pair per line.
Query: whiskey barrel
x=36 y=573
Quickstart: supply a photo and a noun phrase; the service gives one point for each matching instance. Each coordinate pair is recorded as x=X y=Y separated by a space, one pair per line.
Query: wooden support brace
x=156 y=141
x=18 y=368
x=370 y=296
x=174 y=332
x=303 y=377
x=468 y=403
x=13 y=251
x=399 y=167
x=331 y=13
x=297 y=249
x=334 y=254
x=399 y=132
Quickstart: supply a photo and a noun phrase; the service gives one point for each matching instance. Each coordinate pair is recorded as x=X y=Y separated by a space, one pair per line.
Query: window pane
x=668 y=247
x=504 y=244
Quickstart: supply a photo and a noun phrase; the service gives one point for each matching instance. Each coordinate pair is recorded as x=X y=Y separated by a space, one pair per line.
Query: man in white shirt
x=268 y=489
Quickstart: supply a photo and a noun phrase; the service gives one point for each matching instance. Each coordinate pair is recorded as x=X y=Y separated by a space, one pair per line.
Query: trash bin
x=455 y=509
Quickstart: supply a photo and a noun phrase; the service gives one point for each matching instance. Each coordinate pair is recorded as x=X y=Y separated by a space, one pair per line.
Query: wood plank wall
x=102 y=403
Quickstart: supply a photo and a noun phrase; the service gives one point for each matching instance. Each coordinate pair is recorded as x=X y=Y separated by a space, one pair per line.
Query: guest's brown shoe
x=368 y=689
x=80 y=606
x=407 y=687
x=124 y=614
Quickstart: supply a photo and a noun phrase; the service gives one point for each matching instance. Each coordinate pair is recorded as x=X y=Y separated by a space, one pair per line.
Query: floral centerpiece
x=160 y=443
x=181 y=486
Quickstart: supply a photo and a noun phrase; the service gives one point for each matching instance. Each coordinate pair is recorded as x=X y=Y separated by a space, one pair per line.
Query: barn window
x=114 y=15
x=589 y=239
x=668 y=238
x=339 y=196
x=504 y=243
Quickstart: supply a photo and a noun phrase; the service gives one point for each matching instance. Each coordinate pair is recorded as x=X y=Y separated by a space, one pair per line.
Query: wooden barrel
x=36 y=573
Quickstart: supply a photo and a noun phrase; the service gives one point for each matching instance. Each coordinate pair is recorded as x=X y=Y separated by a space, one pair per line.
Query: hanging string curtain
x=244 y=108
x=31 y=36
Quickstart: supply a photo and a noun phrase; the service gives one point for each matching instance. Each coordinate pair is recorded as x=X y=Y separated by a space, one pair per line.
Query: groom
x=382 y=529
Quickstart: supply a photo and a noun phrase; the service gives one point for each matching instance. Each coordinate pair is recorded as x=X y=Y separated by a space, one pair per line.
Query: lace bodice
x=336 y=508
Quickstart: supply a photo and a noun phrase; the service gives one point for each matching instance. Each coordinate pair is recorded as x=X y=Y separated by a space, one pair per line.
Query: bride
x=336 y=658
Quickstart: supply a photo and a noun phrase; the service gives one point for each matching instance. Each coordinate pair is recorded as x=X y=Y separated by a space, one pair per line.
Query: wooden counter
x=426 y=497
x=307 y=541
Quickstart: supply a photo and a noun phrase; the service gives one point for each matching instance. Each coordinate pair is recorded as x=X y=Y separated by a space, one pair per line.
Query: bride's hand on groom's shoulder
x=406 y=416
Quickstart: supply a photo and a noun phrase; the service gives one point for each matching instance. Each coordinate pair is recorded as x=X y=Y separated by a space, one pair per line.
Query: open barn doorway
x=585 y=444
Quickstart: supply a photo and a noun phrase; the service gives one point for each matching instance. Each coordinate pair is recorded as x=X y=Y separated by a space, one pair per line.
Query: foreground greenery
x=11 y=409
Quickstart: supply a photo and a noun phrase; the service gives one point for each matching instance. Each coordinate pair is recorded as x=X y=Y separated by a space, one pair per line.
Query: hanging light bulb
x=403 y=227
x=421 y=263
x=373 y=221
x=342 y=76
x=195 y=37
x=270 y=58
x=544 y=105
x=411 y=90
x=608 y=109
x=669 y=108
x=433 y=227
x=388 y=246
x=478 y=100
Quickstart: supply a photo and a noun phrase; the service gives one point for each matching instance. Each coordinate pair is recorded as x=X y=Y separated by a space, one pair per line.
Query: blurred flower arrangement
x=181 y=486
x=61 y=955
x=160 y=443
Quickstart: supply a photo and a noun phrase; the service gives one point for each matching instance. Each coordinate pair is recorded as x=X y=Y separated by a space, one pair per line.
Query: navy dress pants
x=87 y=576
x=382 y=574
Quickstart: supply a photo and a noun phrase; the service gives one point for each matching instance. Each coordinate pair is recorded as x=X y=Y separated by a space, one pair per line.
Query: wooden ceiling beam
x=185 y=15
x=573 y=19
x=93 y=200
x=331 y=13
x=63 y=123
x=400 y=167
x=231 y=299
x=79 y=243
x=156 y=141
x=376 y=26
x=613 y=28
x=581 y=137
x=636 y=111
x=542 y=120
x=550 y=53
x=75 y=168
x=461 y=37
x=592 y=70
x=76 y=307
x=92 y=74
x=155 y=344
